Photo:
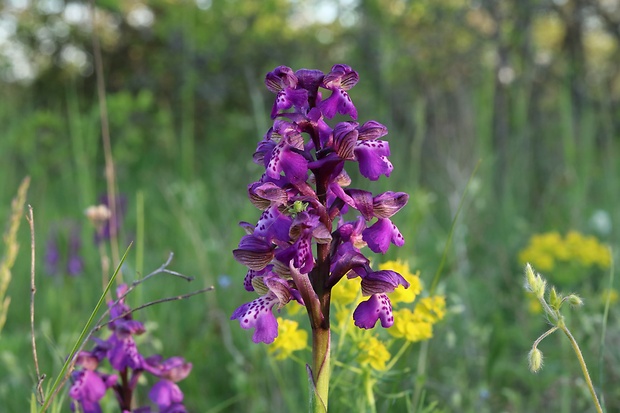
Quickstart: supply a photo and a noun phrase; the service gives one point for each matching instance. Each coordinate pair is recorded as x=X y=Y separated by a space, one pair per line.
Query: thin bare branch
x=161 y=300
x=33 y=290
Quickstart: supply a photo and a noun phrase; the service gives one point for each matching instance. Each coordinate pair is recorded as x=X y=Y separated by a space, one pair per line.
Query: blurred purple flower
x=75 y=264
x=52 y=253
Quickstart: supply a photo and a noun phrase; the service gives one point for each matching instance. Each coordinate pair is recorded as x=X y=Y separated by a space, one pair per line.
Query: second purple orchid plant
x=304 y=197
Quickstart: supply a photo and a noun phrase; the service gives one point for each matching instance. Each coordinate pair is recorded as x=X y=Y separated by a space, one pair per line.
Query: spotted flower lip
x=377 y=307
x=257 y=314
x=372 y=156
x=381 y=234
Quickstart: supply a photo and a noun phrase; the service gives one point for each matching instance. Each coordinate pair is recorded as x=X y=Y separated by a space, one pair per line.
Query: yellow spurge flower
x=432 y=308
x=374 y=353
x=411 y=326
x=545 y=250
x=402 y=294
x=289 y=340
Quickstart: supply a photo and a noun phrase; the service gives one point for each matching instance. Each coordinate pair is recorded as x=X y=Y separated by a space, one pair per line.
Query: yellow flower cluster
x=545 y=251
x=289 y=340
x=417 y=325
x=374 y=353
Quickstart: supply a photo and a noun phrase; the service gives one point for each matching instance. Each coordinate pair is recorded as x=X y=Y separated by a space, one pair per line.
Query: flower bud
x=534 y=282
x=574 y=300
x=535 y=359
x=555 y=299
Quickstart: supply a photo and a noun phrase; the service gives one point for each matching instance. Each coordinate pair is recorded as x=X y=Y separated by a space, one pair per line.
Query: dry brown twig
x=33 y=290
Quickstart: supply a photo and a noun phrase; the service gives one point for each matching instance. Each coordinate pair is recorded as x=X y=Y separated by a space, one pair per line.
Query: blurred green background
x=530 y=88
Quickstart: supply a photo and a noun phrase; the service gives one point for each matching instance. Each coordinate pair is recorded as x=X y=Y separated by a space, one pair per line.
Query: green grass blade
x=604 y=326
x=442 y=263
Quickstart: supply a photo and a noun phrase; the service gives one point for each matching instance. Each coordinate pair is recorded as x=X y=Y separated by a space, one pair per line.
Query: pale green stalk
x=398 y=355
x=557 y=320
x=369 y=384
x=584 y=367
x=605 y=318
x=321 y=368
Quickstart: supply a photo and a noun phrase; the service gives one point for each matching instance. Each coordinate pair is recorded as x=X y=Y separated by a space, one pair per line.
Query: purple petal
x=283 y=159
x=345 y=138
x=309 y=79
x=341 y=76
x=384 y=281
x=88 y=386
x=372 y=130
x=124 y=353
x=273 y=224
x=388 y=203
x=363 y=202
x=372 y=157
x=251 y=274
x=165 y=393
x=254 y=252
x=257 y=314
x=338 y=102
x=377 y=307
x=380 y=234
x=300 y=252
x=271 y=192
x=281 y=78
x=288 y=98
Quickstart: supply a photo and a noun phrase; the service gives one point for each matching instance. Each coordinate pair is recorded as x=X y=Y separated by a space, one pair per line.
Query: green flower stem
x=584 y=367
x=321 y=369
x=421 y=371
x=546 y=334
x=398 y=355
x=369 y=384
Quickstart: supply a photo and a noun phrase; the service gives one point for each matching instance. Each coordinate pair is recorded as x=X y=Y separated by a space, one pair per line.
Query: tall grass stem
x=110 y=173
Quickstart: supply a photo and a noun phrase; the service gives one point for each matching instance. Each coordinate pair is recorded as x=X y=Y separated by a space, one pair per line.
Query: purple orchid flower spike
x=302 y=246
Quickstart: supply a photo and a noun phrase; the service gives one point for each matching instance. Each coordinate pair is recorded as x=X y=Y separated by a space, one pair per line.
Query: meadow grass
x=187 y=196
